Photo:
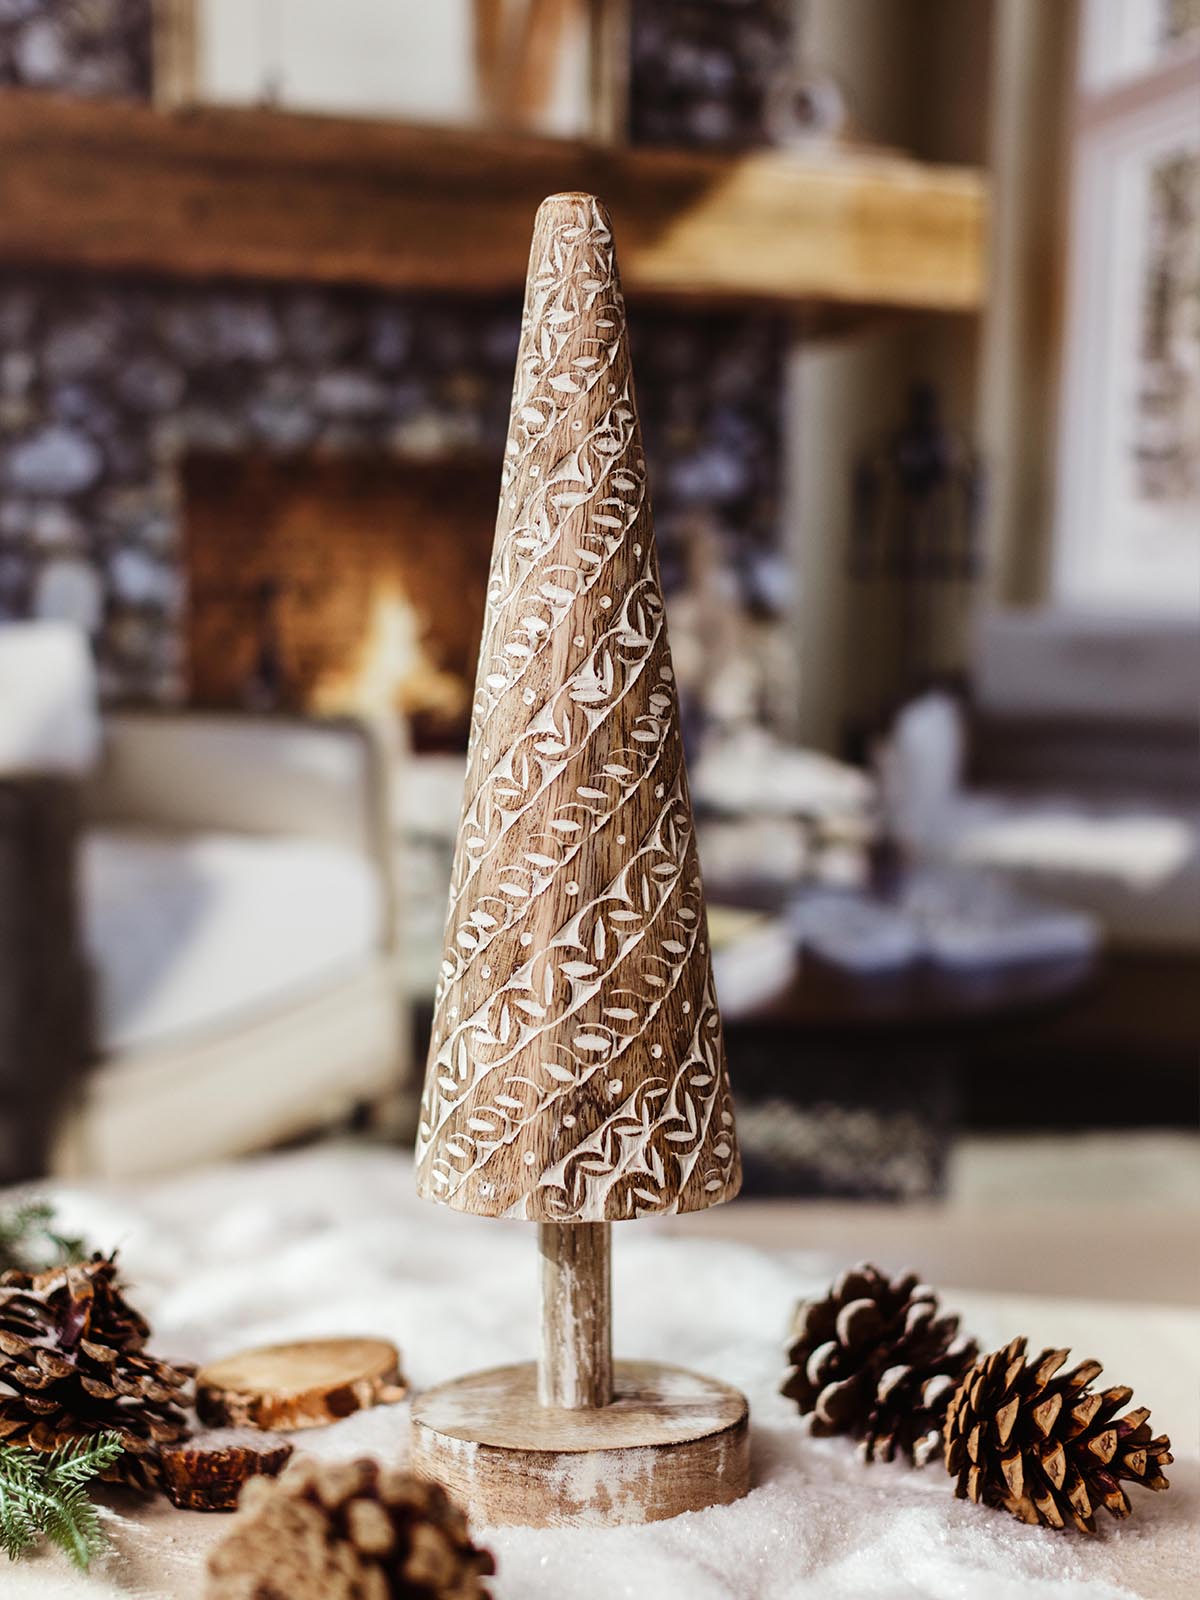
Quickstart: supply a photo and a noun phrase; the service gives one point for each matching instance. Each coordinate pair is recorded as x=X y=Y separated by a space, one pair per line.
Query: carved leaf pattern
x=576 y=1069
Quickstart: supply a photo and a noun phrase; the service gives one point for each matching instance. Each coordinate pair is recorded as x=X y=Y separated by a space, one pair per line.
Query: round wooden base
x=670 y=1441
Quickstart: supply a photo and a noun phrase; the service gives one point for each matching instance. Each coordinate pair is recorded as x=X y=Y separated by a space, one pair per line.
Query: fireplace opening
x=338 y=584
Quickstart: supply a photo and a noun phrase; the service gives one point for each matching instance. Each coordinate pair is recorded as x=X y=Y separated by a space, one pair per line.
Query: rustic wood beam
x=264 y=194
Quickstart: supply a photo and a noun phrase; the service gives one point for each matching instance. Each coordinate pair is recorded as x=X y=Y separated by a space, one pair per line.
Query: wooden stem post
x=575 y=1368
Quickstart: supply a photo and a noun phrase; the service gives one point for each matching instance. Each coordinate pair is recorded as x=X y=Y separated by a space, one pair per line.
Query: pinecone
x=346 y=1531
x=1046 y=1446
x=876 y=1360
x=73 y=1363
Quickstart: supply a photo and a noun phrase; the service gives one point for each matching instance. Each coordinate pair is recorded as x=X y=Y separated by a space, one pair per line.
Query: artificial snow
x=333 y=1241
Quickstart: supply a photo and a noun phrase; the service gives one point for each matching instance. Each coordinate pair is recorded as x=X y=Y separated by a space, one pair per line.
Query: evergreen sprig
x=29 y=1242
x=45 y=1494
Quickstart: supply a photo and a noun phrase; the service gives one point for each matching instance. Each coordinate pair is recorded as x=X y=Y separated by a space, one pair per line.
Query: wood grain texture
x=575 y=1366
x=305 y=1384
x=267 y=194
x=669 y=1442
x=576 y=1067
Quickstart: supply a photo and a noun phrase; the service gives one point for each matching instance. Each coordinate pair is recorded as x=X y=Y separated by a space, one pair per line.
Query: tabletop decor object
x=44 y=1496
x=346 y=1530
x=206 y=1472
x=576 y=1071
x=1044 y=1445
x=875 y=1358
x=303 y=1384
x=74 y=1366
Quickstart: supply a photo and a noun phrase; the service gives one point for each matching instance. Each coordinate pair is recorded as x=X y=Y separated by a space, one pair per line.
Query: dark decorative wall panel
x=701 y=70
x=86 y=47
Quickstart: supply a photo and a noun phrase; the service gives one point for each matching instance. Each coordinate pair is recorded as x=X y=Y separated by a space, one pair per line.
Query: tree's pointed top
x=576 y=1068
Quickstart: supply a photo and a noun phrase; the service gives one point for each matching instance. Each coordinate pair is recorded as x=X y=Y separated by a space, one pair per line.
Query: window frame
x=1125 y=113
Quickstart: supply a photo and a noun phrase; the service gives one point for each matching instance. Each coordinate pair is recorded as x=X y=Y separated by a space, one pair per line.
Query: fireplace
x=337 y=583
x=252 y=495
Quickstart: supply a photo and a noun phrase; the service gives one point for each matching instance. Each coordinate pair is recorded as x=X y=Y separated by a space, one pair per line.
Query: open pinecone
x=346 y=1531
x=1044 y=1445
x=73 y=1363
x=874 y=1359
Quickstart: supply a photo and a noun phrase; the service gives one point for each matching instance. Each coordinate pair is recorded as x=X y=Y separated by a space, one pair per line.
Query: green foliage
x=43 y=1494
x=29 y=1242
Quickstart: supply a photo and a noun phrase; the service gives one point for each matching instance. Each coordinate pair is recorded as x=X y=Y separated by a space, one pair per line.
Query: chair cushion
x=193 y=932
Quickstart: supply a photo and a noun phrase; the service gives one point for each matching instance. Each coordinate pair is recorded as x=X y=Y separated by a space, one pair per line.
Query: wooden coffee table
x=850 y=1085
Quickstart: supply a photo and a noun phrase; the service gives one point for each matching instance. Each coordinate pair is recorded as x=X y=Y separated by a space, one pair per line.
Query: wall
x=916 y=73
x=1023 y=329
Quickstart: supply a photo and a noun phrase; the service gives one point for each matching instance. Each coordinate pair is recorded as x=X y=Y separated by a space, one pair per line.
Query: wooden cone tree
x=576 y=1070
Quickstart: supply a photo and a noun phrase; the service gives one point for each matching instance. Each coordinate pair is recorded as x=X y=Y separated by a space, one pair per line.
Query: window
x=1128 y=534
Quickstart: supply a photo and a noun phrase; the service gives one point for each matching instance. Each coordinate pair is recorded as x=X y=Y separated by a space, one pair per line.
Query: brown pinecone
x=346 y=1531
x=73 y=1363
x=1045 y=1445
x=874 y=1359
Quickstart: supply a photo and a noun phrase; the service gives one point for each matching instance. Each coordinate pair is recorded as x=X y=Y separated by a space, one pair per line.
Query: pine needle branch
x=29 y=1242
x=73 y=1525
x=79 y=1460
x=46 y=1495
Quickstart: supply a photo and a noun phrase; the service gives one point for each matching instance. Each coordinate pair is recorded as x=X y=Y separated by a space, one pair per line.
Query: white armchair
x=227 y=880
x=238 y=907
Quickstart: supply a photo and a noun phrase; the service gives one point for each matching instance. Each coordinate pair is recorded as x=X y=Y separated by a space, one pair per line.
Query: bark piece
x=207 y=1473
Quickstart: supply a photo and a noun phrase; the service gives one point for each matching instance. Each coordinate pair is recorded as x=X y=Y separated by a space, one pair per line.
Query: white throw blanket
x=332 y=1241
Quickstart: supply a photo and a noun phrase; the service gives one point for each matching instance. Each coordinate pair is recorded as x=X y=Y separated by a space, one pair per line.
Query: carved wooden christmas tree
x=576 y=1069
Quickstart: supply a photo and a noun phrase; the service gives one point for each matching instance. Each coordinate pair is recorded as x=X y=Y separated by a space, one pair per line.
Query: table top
x=332 y=1240
x=923 y=995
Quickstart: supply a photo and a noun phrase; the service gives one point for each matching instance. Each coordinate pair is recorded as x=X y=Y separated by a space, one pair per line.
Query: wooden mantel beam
x=272 y=195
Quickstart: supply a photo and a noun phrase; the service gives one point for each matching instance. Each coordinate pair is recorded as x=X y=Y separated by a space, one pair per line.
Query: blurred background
x=914 y=288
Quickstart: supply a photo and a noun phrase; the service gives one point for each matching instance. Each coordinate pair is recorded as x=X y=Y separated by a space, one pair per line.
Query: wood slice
x=207 y=1473
x=302 y=1385
x=670 y=1441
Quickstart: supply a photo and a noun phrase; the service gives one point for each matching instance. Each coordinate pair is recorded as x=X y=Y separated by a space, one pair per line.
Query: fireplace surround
x=114 y=391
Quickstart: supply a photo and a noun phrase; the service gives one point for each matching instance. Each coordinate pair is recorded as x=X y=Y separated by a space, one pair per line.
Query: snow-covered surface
x=332 y=1240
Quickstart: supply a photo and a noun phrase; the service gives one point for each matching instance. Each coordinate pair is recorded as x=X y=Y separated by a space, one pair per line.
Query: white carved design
x=576 y=1068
